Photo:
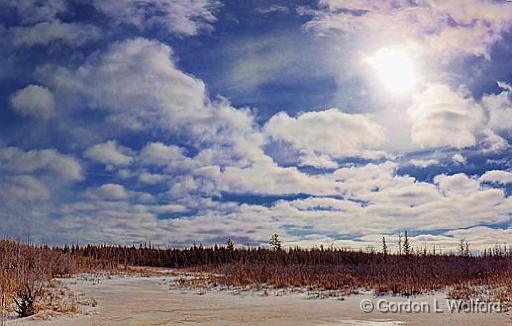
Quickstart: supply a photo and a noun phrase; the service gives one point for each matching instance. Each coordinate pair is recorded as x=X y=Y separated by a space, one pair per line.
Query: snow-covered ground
x=156 y=300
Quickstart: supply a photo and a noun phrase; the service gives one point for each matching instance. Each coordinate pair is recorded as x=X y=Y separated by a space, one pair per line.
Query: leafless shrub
x=24 y=269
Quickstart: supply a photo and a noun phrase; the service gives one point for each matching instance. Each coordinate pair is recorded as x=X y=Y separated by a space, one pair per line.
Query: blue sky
x=328 y=122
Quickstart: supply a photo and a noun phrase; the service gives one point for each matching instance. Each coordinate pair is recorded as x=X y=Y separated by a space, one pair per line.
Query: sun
x=395 y=68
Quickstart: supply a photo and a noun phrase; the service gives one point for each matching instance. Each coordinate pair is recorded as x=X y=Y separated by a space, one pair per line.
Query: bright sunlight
x=395 y=69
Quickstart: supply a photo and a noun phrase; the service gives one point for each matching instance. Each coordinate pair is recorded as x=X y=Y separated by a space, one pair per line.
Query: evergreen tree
x=384 y=246
x=462 y=248
x=230 y=244
x=275 y=242
x=407 y=245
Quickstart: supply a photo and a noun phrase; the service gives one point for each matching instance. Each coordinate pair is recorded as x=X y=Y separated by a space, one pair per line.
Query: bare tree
x=399 y=243
x=6 y=293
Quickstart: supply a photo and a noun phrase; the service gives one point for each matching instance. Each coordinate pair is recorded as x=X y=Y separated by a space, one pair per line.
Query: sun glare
x=395 y=69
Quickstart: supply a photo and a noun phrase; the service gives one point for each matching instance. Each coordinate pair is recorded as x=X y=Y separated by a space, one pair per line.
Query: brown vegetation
x=408 y=272
x=25 y=269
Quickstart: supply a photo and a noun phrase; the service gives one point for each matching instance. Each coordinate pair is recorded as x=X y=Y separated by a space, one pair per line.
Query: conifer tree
x=275 y=242
x=384 y=246
x=407 y=245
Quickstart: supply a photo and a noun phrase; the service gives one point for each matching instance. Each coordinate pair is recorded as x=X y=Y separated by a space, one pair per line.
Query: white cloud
x=359 y=180
x=424 y=163
x=504 y=85
x=169 y=209
x=459 y=184
x=492 y=142
x=34 y=101
x=381 y=200
x=272 y=9
x=482 y=237
x=151 y=178
x=188 y=17
x=330 y=132
x=309 y=158
x=441 y=117
x=110 y=192
x=15 y=160
x=497 y=176
x=22 y=189
x=369 y=200
x=268 y=179
x=109 y=153
x=46 y=32
x=170 y=156
x=34 y=183
x=137 y=84
x=500 y=108
x=40 y=24
x=443 y=28
x=458 y=158
x=34 y=11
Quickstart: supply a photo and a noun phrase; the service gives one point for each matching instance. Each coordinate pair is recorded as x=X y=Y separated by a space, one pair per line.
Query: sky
x=332 y=122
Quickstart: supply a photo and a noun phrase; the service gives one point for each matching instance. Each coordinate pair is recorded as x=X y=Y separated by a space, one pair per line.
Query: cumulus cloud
x=109 y=153
x=442 y=117
x=497 y=176
x=39 y=24
x=194 y=152
x=33 y=184
x=137 y=84
x=23 y=189
x=482 y=237
x=46 y=32
x=169 y=209
x=273 y=9
x=359 y=199
x=170 y=156
x=137 y=87
x=16 y=160
x=332 y=132
x=186 y=18
x=34 y=11
x=458 y=158
x=268 y=179
x=110 y=192
x=381 y=200
x=458 y=183
x=399 y=203
x=446 y=28
x=359 y=180
x=34 y=101
x=309 y=158
x=499 y=107
x=423 y=163
x=151 y=178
